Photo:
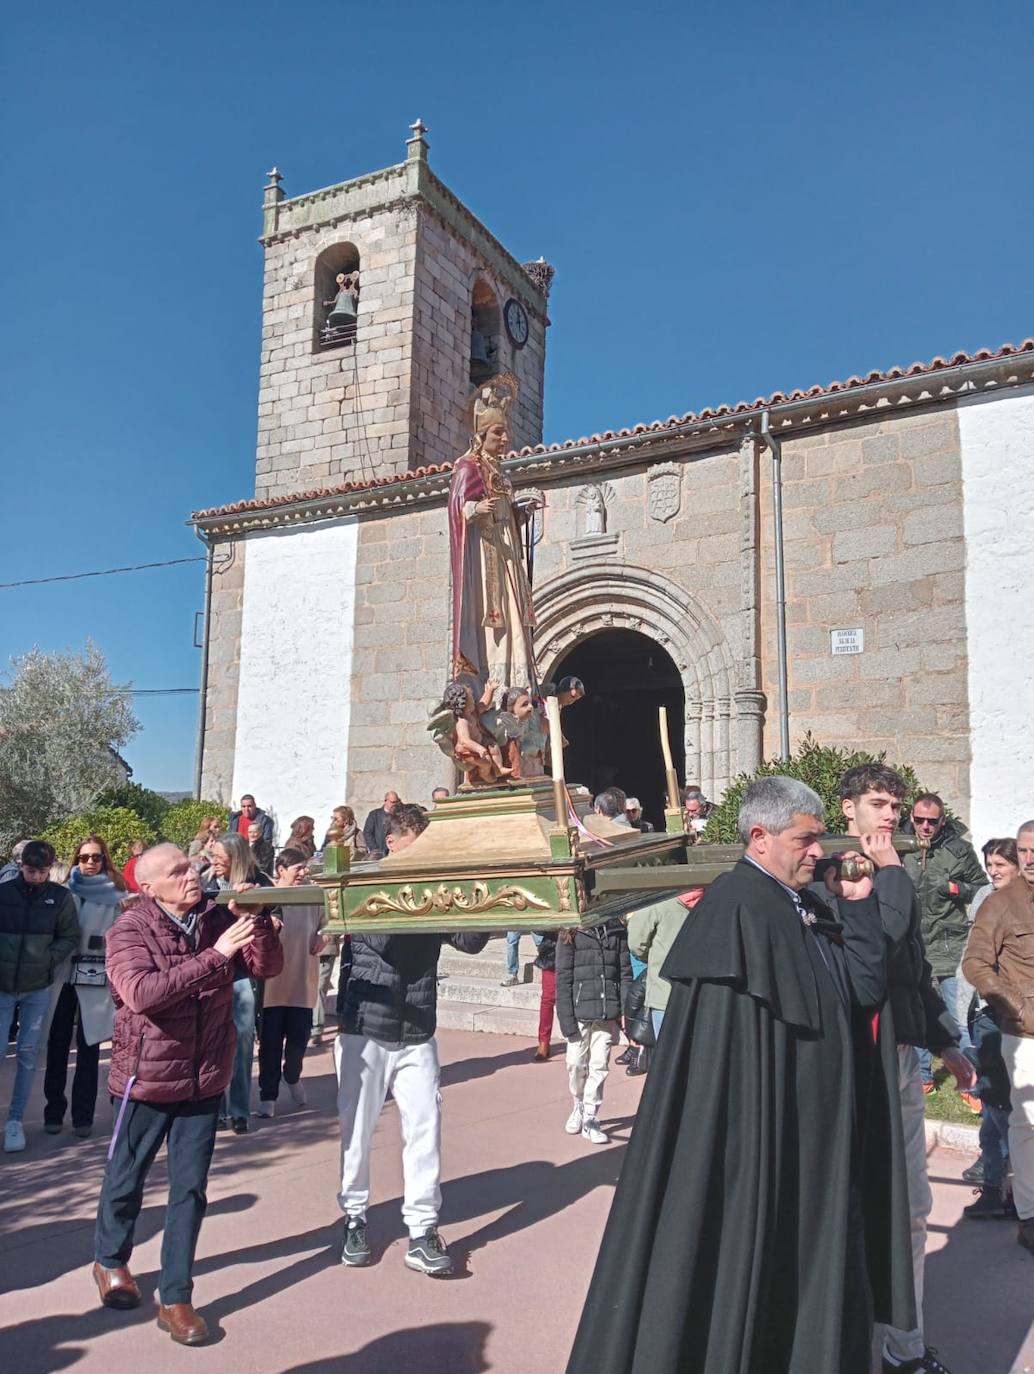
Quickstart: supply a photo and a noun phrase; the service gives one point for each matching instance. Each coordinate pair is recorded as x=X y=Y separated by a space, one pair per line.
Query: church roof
x=656 y=430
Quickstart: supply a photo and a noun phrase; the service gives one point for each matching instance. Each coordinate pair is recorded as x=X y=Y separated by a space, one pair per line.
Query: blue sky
x=738 y=198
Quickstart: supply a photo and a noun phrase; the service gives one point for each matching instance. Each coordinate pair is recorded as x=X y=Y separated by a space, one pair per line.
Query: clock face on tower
x=515 y=318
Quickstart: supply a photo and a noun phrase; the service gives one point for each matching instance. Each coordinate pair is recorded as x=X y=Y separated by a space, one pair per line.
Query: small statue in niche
x=595 y=511
x=593 y=501
x=456 y=725
x=345 y=304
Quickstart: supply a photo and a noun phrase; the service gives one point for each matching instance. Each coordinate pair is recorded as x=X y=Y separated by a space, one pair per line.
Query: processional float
x=514 y=848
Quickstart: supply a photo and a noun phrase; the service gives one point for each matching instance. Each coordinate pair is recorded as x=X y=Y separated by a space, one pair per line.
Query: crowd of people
x=928 y=945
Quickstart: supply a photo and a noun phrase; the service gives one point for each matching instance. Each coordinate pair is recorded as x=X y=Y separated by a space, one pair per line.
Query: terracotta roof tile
x=657 y=426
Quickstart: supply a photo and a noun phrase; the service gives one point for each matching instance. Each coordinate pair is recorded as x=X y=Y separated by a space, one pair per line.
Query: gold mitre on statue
x=490 y=404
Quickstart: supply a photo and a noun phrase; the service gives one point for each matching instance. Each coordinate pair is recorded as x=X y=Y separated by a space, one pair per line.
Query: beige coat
x=298 y=984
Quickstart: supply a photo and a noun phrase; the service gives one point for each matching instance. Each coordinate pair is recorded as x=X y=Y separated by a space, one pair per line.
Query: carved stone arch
x=577 y=604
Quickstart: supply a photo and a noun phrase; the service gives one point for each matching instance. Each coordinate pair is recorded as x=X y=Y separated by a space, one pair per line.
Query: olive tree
x=62 y=719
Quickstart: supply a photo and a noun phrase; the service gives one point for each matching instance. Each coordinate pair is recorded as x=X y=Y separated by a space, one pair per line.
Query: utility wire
x=104 y=572
x=155 y=692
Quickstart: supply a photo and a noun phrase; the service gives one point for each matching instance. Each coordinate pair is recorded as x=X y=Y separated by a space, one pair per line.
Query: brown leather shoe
x=542 y=1053
x=117 y=1287
x=184 y=1325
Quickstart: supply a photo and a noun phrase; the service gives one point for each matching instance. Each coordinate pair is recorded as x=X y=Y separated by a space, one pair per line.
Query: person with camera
x=871 y=798
x=84 y=1007
x=170 y=962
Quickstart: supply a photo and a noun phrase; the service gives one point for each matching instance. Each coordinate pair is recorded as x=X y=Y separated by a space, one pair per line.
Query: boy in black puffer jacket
x=593 y=975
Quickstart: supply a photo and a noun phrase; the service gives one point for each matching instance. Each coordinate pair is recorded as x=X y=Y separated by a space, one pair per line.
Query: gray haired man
x=762 y=1156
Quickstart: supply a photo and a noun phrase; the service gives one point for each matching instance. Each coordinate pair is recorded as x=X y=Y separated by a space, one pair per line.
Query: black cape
x=761 y=1214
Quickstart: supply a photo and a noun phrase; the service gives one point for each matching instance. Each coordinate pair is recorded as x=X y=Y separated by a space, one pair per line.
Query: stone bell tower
x=385 y=302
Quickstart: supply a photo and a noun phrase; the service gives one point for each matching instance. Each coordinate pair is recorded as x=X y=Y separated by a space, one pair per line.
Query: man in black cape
x=761 y=1217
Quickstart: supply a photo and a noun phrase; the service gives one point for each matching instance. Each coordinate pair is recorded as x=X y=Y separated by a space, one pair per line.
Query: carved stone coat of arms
x=664 y=487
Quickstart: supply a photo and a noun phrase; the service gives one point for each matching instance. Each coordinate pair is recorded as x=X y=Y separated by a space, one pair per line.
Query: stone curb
x=951 y=1135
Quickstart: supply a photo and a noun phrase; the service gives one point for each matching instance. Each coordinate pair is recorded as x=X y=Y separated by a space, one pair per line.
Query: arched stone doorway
x=613 y=735
x=721 y=722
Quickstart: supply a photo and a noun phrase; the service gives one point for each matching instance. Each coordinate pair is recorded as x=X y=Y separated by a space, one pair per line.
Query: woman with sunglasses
x=84 y=1006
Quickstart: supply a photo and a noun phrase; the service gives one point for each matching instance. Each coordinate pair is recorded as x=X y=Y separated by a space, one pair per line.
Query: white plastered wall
x=997 y=440
x=293 y=703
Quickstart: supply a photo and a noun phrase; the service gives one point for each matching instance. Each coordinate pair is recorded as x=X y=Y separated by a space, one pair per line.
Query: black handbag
x=638 y=1022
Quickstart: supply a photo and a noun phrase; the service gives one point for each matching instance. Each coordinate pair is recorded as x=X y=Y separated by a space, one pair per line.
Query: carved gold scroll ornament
x=444 y=899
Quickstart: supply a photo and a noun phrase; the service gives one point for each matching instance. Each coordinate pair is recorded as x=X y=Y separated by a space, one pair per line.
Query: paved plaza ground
x=524 y=1209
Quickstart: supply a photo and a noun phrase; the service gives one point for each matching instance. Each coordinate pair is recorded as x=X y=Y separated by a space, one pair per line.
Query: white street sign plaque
x=847 y=641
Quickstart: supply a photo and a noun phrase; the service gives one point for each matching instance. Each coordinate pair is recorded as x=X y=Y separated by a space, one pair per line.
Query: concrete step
x=498 y=1020
x=491 y=962
x=487 y=992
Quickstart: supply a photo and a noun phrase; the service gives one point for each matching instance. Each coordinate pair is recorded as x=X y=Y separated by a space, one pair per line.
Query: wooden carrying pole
x=669 y=767
x=556 y=761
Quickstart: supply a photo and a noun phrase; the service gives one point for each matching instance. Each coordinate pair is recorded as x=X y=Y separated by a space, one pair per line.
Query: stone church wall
x=872 y=518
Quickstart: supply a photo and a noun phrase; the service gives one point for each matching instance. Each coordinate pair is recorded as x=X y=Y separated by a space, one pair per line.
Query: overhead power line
x=156 y=692
x=102 y=572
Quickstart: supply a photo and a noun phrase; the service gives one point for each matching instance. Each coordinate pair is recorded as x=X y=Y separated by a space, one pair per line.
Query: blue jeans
x=994 y=1143
x=32 y=1012
x=513 y=940
x=237 y=1100
x=656 y=1017
x=946 y=987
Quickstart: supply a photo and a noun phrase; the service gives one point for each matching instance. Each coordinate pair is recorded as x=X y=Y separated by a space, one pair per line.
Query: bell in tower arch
x=343 y=314
x=482 y=364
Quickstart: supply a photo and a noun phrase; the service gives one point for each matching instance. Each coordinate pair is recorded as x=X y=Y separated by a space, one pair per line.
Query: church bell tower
x=385 y=302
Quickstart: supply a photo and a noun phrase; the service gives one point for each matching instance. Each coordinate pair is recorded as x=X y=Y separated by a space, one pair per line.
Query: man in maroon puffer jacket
x=170 y=964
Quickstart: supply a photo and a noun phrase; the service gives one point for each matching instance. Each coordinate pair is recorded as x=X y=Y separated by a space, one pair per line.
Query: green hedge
x=118 y=826
x=820 y=766
x=149 y=806
x=183 y=820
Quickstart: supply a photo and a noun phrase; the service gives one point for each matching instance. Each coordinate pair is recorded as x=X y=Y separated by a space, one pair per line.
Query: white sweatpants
x=1018 y=1053
x=366 y=1071
x=588 y=1062
x=909 y=1345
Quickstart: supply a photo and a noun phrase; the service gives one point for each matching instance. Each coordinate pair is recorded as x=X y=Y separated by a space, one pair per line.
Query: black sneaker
x=975 y=1172
x=928 y=1363
x=988 y=1206
x=625 y=1057
x=240 y=1125
x=428 y=1254
x=356 y=1249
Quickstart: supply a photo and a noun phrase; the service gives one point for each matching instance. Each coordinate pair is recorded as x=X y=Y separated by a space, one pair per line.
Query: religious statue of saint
x=492 y=618
x=595 y=511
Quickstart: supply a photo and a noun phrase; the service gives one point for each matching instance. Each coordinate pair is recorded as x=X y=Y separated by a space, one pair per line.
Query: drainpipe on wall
x=775 y=448
x=199 y=755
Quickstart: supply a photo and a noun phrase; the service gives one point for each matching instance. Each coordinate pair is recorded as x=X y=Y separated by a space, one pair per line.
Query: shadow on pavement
x=452 y=1347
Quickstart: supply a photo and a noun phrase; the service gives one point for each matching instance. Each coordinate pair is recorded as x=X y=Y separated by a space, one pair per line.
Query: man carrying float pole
x=753 y=1226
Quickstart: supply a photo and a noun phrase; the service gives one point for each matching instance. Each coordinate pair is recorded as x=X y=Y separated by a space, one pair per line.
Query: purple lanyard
x=121 y=1113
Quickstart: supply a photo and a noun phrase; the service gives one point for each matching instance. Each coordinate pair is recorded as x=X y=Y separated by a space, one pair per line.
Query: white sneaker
x=266 y=1108
x=574 y=1122
x=592 y=1133
x=297 y=1093
x=14 y=1137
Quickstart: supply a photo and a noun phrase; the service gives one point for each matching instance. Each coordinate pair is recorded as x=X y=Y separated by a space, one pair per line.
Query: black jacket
x=920 y=1016
x=39 y=928
x=593 y=975
x=375 y=832
x=260 y=816
x=768 y=1134
x=392 y=992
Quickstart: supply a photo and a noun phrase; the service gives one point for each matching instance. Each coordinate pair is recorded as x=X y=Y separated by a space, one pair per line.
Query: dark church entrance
x=613 y=733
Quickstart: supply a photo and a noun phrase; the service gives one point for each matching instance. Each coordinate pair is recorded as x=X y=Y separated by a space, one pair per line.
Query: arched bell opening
x=613 y=734
x=485 y=332
x=335 y=303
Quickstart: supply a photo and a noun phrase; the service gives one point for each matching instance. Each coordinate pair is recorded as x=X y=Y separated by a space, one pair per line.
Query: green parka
x=39 y=929
x=947 y=877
